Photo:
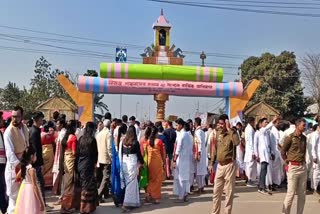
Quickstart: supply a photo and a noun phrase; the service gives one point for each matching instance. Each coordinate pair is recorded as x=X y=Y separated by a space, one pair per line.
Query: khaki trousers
x=225 y=180
x=297 y=181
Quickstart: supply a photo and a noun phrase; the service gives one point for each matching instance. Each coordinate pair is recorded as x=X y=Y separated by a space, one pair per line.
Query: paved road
x=246 y=201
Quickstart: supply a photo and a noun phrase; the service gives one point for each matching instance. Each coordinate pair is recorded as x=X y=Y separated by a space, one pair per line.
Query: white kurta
x=184 y=152
x=250 y=164
x=138 y=131
x=182 y=172
x=277 y=164
x=201 y=165
x=240 y=156
x=249 y=139
x=316 y=155
x=264 y=149
x=10 y=175
x=255 y=149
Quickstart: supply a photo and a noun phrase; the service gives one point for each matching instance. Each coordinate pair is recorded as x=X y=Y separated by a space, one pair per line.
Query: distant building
x=312 y=109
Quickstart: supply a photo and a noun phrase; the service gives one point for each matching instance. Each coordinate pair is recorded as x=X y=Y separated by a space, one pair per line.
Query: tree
x=11 y=96
x=280 y=82
x=311 y=72
x=97 y=98
x=44 y=84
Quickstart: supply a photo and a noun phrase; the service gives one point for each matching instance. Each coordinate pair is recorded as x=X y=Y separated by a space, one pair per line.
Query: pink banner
x=179 y=88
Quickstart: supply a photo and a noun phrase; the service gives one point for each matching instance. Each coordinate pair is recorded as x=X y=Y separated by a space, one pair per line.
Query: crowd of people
x=121 y=158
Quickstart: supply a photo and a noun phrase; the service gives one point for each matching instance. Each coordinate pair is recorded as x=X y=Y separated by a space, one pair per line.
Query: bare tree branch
x=311 y=73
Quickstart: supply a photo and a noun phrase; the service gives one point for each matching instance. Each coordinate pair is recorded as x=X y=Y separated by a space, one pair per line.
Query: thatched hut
x=261 y=110
x=61 y=105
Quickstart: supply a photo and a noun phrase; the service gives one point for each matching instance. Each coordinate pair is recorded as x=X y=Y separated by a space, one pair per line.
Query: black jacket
x=171 y=135
x=35 y=141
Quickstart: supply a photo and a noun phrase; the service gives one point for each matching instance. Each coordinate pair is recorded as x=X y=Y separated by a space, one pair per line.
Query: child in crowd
x=29 y=198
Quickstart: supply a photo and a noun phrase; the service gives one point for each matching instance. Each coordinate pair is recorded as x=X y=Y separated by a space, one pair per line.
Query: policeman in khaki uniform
x=294 y=153
x=225 y=153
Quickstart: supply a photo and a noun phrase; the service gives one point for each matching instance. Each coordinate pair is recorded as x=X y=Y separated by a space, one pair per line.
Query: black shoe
x=115 y=201
x=106 y=196
x=264 y=192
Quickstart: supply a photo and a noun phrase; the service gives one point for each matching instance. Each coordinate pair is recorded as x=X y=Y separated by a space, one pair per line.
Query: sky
x=130 y=22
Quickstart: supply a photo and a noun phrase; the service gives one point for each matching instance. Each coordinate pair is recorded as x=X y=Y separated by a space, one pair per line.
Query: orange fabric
x=143 y=144
x=155 y=166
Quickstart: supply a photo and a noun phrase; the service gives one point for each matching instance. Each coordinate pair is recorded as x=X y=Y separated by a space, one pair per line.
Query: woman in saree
x=47 y=141
x=143 y=182
x=156 y=163
x=70 y=198
x=130 y=161
x=87 y=156
x=57 y=175
x=116 y=190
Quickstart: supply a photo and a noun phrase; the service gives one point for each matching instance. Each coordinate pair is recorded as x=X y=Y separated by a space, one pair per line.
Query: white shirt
x=12 y=159
x=264 y=148
x=115 y=133
x=249 y=138
x=315 y=146
x=184 y=152
x=12 y=162
x=201 y=165
x=138 y=131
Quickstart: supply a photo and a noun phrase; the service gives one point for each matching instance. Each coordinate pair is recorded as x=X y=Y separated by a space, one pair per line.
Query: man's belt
x=225 y=162
x=296 y=163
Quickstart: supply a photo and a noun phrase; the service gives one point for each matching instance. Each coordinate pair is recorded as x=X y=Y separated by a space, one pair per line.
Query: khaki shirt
x=294 y=148
x=225 y=146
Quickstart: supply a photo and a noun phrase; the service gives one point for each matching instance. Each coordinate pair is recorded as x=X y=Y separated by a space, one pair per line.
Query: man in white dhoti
x=277 y=163
x=316 y=160
x=16 y=141
x=200 y=142
x=250 y=158
x=181 y=162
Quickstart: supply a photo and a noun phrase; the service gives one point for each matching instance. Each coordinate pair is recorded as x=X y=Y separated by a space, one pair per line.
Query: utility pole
x=120 y=106
x=198 y=106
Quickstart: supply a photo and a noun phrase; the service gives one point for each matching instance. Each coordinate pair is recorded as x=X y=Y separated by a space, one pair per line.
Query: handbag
x=212 y=176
